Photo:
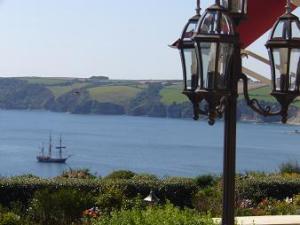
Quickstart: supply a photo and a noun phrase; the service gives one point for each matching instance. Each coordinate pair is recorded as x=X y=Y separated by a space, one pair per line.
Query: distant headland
x=100 y=95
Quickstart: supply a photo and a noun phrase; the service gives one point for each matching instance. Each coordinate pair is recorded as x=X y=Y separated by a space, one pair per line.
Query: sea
x=160 y=146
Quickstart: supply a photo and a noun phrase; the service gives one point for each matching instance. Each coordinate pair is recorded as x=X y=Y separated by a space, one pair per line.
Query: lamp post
x=218 y=67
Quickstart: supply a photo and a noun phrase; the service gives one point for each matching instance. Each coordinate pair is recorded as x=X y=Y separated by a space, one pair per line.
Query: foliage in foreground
x=72 y=197
x=167 y=215
x=290 y=167
x=78 y=174
x=61 y=207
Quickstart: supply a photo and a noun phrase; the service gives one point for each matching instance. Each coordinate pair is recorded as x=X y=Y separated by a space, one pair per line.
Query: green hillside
x=46 y=80
x=60 y=90
x=262 y=93
x=172 y=94
x=115 y=94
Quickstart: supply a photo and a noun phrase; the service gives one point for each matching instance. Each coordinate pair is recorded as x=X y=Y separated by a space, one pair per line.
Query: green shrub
x=110 y=200
x=133 y=203
x=178 y=190
x=205 y=181
x=272 y=186
x=10 y=218
x=144 y=177
x=121 y=174
x=269 y=207
x=290 y=167
x=26 y=176
x=296 y=200
x=209 y=201
x=167 y=215
x=60 y=207
x=78 y=174
x=114 y=198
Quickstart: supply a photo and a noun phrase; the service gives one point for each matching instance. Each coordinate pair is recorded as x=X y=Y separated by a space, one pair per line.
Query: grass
x=262 y=94
x=114 y=94
x=61 y=90
x=45 y=80
x=172 y=94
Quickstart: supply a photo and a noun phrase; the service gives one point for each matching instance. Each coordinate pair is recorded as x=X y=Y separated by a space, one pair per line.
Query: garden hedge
x=178 y=191
x=274 y=186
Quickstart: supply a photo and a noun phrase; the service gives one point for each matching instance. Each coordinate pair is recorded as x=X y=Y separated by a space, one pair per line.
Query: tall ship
x=48 y=158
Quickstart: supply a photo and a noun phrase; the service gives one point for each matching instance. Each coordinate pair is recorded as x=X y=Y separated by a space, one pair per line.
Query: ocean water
x=165 y=147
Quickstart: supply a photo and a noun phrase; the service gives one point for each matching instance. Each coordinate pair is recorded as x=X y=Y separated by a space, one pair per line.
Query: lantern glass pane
x=224 y=58
x=280 y=56
x=208 y=53
x=190 y=30
x=209 y=24
x=191 y=68
x=245 y=6
x=294 y=69
x=226 y=25
x=295 y=29
x=281 y=30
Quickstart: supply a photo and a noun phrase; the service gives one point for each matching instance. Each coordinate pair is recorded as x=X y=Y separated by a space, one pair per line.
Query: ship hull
x=51 y=160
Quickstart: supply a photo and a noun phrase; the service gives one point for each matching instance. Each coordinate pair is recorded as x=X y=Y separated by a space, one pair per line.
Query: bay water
x=164 y=147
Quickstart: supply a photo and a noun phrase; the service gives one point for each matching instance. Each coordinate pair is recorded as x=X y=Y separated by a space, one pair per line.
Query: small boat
x=43 y=158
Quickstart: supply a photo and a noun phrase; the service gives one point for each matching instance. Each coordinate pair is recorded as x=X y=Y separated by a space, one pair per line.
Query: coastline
x=295 y=121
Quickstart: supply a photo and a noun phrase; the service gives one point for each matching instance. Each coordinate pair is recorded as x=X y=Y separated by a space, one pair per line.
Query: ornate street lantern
x=187 y=52
x=284 y=53
x=215 y=41
x=237 y=8
x=186 y=47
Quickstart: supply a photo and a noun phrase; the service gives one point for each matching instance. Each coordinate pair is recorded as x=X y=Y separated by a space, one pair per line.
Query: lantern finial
x=198 y=9
x=288 y=6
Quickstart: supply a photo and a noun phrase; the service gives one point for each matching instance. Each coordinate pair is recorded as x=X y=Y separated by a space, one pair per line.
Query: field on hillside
x=172 y=94
x=60 y=90
x=46 y=80
x=115 y=94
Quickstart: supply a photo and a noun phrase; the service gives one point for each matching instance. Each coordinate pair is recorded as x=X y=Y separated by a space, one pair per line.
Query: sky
x=82 y=38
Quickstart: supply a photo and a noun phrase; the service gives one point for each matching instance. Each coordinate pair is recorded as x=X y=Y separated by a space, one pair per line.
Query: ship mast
x=43 y=149
x=60 y=147
x=50 y=146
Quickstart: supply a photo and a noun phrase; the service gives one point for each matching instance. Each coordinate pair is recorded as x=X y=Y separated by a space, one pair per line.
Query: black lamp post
x=236 y=8
x=219 y=69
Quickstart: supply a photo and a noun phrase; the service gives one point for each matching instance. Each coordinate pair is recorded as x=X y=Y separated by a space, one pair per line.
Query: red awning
x=262 y=14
